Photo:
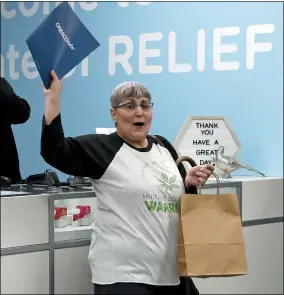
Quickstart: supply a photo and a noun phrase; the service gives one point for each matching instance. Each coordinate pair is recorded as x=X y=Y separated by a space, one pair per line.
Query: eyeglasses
x=133 y=106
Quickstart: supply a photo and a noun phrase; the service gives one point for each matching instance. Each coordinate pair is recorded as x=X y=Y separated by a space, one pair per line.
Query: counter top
x=55 y=192
x=242 y=178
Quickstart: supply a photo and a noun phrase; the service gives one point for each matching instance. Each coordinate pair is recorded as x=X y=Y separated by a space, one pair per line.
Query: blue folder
x=60 y=43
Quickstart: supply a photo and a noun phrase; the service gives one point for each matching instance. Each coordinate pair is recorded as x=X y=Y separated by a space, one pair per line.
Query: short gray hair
x=126 y=90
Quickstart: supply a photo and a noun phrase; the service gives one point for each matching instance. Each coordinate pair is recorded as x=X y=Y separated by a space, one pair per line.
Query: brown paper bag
x=211 y=242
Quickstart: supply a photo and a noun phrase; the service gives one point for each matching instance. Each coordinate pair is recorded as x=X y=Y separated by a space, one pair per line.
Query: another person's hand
x=52 y=98
x=198 y=175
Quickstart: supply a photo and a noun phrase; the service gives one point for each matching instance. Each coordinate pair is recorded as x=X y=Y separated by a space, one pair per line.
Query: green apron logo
x=167 y=183
x=157 y=206
x=166 y=186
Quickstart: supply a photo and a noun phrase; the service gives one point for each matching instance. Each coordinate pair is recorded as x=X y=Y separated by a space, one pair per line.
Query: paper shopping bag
x=211 y=242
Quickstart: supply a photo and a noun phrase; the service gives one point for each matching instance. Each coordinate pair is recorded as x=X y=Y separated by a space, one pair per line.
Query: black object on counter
x=45 y=183
x=78 y=182
x=4 y=181
x=49 y=178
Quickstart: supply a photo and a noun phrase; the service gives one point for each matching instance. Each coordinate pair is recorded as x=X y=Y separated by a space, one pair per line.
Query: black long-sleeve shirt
x=13 y=110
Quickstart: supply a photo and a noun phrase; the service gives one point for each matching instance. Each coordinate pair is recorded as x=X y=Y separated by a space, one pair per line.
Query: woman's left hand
x=198 y=175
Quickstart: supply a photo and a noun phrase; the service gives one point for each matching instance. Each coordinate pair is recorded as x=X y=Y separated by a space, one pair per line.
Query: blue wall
x=251 y=99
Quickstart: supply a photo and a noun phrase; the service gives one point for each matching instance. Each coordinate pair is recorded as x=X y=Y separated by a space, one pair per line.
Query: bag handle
x=193 y=164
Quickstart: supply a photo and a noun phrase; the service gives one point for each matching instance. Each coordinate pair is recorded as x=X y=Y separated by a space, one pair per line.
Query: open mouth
x=138 y=124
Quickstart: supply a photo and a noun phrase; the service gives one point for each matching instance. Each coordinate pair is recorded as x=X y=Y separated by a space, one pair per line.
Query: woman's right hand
x=52 y=98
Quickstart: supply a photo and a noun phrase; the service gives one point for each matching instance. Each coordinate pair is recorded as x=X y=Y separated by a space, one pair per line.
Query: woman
x=138 y=187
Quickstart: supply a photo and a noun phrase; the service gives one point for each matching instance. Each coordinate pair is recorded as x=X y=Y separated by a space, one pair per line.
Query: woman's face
x=133 y=118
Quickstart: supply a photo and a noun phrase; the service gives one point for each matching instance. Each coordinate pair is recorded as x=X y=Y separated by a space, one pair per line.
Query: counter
x=55 y=261
x=52 y=260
